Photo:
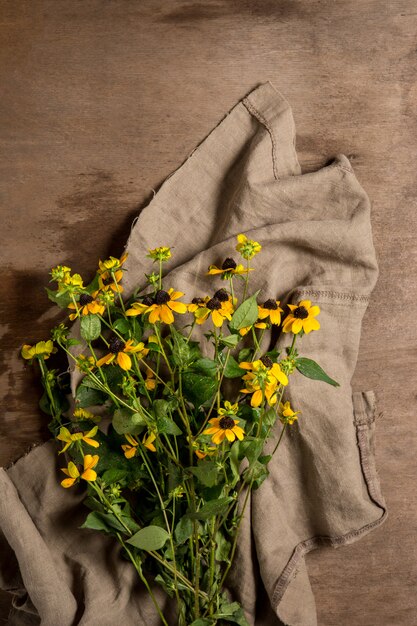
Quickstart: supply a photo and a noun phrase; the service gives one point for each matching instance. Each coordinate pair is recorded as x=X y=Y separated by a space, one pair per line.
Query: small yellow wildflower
x=42 y=349
x=302 y=317
x=131 y=448
x=262 y=380
x=110 y=273
x=288 y=416
x=160 y=254
x=119 y=352
x=87 y=305
x=162 y=308
x=228 y=269
x=148 y=441
x=88 y=473
x=70 y=438
x=270 y=309
x=247 y=247
x=150 y=382
x=82 y=414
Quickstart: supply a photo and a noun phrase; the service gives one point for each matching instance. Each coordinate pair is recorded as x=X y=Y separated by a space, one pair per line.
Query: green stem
x=143 y=579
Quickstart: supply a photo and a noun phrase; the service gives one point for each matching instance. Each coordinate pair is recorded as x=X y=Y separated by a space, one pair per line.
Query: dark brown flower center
x=267 y=361
x=108 y=281
x=148 y=300
x=226 y=422
x=197 y=301
x=300 y=313
x=229 y=264
x=221 y=295
x=162 y=297
x=85 y=298
x=214 y=304
x=116 y=345
x=270 y=304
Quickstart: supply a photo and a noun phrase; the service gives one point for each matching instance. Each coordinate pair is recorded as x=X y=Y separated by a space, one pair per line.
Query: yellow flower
x=197 y=303
x=119 y=352
x=229 y=409
x=302 y=317
x=244 y=331
x=288 y=416
x=270 y=309
x=220 y=308
x=85 y=363
x=70 y=438
x=147 y=441
x=82 y=414
x=150 y=382
x=262 y=380
x=42 y=349
x=164 y=305
x=62 y=275
x=87 y=304
x=160 y=254
x=224 y=427
x=203 y=450
x=88 y=473
x=247 y=247
x=228 y=269
x=110 y=273
x=131 y=449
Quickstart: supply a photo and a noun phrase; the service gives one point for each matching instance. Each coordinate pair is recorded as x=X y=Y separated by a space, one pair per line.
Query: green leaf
x=205 y=366
x=232 y=369
x=245 y=355
x=181 y=353
x=122 y=326
x=230 y=341
x=183 y=530
x=96 y=521
x=257 y=473
x=246 y=314
x=85 y=396
x=90 y=327
x=269 y=417
x=311 y=369
x=251 y=449
x=210 y=509
x=167 y=426
x=206 y=472
x=62 y=300
x=197 y=388
x=124 y=421
x=114 y=475
x=149 y=538
x=203 y=621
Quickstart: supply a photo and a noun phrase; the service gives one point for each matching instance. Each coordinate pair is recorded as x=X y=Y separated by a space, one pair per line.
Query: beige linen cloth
x=323 y=487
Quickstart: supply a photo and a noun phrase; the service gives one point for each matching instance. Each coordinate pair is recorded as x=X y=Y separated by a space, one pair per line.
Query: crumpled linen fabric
x=323 y=487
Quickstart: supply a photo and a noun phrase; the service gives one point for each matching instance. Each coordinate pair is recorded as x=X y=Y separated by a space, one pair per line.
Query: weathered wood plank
x=102 y=100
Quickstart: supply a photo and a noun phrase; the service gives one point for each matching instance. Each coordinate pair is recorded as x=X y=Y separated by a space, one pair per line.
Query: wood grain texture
x=102 y=99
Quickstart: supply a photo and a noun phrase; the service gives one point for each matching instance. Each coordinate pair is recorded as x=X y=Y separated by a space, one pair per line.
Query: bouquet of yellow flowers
x=168 y=433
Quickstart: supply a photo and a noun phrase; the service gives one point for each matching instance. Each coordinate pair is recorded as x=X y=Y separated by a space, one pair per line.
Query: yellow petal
x=218 y=437
x=297 y=326
x=166 y=314
x=239 y=432
x=67 y=482
x=178 y=307
x=256 y=399
x=230 y=434
x=305 y=303
x=124 y=361
x=106 y=359
x=89 y=475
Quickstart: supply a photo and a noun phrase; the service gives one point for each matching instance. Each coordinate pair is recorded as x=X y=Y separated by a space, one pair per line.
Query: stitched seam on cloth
x=334 y=294
x=263 y=121
x=325 y=540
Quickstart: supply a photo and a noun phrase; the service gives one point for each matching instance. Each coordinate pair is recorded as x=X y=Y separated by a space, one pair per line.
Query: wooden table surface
x=102 y=99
